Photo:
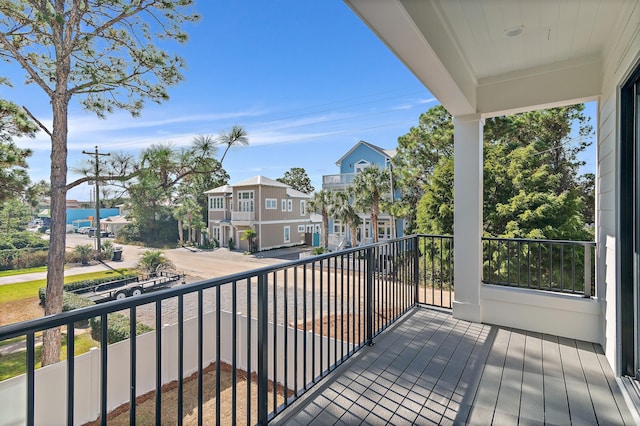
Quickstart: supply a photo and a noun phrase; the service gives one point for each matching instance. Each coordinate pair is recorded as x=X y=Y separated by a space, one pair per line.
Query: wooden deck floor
x=433 y=369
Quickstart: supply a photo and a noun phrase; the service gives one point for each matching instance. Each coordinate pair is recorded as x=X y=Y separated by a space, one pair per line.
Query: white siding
x=621 y=59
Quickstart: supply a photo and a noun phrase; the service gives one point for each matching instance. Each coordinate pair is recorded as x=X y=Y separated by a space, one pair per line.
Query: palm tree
x=321 y=202
x=249 y=235
x=237 y=136
x=83 y=251
x=368 y=188
x=153 y=262
x=343 y=210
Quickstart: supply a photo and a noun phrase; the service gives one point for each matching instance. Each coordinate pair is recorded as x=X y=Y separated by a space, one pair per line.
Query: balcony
x=430 y=368
x=337 y=182
x=242 y=216
x=325 y=338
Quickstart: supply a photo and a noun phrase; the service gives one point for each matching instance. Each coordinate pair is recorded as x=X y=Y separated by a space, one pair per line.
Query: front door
x=629 y=229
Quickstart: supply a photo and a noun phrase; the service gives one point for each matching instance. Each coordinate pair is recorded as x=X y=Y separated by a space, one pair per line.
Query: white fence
x=51 y=381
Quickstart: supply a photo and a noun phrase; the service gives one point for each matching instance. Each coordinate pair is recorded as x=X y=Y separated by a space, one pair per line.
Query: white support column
x=467 y=216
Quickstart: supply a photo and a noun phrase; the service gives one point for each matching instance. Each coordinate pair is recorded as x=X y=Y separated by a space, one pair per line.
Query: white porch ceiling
x=461 y=51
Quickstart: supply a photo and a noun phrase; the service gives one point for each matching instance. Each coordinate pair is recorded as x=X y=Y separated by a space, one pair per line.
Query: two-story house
x=277 y=213
x=359 y=157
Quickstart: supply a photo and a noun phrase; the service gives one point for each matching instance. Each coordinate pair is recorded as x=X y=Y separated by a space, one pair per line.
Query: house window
x=338 y=228
x=300 y=228
x=283 y=205
x=216 y=203
x=216 y=233
x=270 y=203
x=290 y=205
x=287 y=234
x=245 y=201
x=303 y=207
x=360 y=166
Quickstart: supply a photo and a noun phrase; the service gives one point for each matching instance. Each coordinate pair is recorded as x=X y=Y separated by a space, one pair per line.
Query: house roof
x=260 y=180
x=297 y=194
x=224 y=189
x=387 y=153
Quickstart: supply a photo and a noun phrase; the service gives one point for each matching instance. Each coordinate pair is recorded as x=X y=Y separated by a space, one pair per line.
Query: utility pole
x=97 y=231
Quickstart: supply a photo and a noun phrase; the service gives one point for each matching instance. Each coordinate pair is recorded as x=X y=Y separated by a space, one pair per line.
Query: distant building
x=275 y=211
x=359 y=157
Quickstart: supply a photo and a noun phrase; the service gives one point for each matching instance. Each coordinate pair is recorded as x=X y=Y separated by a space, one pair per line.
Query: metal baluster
x=70 y=371
x=132 y=364
x=263 y=348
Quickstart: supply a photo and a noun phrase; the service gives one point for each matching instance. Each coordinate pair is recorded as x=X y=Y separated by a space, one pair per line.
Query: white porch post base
x=467 y=311
x=467 y=217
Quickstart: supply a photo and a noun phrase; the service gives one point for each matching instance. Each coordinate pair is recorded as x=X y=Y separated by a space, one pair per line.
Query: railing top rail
x=540 y=241
x=81 y=314
x=446 y=237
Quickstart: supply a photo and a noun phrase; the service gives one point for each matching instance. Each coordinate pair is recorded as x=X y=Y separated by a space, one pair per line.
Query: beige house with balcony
x=277 y=213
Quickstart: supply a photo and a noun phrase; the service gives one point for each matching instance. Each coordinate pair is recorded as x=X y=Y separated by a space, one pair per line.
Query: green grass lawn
x=29 y=289
x=14 y=364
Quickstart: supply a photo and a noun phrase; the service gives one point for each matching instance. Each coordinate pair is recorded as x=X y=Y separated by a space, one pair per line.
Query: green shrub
x=129 y=233
x=72 y=301
x=21 y=240
x=117 y=328
x=319 y=250
x=22 y=258
x=84 y=252
x=106 y=250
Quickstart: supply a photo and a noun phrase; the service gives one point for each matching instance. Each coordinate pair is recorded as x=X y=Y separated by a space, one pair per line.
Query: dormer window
x=360 y=166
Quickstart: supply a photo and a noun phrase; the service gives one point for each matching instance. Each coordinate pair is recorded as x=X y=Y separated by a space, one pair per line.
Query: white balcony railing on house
x=243 y=216
x=337 y=181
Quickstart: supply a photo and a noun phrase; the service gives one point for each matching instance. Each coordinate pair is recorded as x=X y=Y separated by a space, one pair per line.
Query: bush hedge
x=22 y=258
x=117 y=328
x=72 y=301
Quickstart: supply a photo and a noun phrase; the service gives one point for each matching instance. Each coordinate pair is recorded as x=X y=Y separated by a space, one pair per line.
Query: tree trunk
x=180 y=231
x=354 y=234
x=325 y=228
x=57 y=242
x=374 y=218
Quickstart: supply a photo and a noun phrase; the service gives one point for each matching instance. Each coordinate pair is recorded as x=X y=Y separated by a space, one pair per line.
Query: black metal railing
x=251 y=342
x=435 y=284
x=550 y=265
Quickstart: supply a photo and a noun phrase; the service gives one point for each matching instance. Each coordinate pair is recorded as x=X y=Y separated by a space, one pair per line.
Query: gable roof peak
x=388 y=153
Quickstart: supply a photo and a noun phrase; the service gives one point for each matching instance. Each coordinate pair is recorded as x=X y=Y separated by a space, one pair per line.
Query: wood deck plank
x=508 y=403
x=468 y=383
x=484 y=404
x=556 y=404
x=532 y=398
x=606 y=408
x=432 y=368
x=627 y=418
x=580 y=405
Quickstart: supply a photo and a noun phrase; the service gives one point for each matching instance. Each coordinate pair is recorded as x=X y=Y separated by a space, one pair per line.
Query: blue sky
x=306 y=79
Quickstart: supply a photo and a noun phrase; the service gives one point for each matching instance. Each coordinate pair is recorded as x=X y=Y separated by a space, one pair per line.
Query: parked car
x=84 y=229
x=92 y=233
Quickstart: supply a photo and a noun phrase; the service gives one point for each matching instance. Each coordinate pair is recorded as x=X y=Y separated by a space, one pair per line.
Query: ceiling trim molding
x=538 y=89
